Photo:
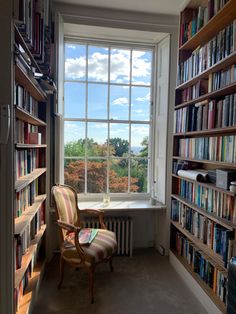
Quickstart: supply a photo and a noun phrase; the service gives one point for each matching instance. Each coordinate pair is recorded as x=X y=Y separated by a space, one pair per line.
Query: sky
x=114 y=102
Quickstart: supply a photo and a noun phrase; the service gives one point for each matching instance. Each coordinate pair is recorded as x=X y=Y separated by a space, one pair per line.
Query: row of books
x=26 y=161
x=214 y=236
x=199 y=16
x=22 y=241
x=204 y=57
x=23 y=99
x=213 y=275
x=222 y=78
x=193 y=91
x=25 y=132
x=206 y=116
x=20 y=290
x=25 y=198
x=208 y=199
x=216 y=148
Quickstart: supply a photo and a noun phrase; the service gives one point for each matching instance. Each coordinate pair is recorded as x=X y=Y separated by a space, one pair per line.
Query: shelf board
x=21 y=41
x=227 y=130
x=218 y=22
x=26 y=217
x=216 y=163
x=32 y=287
x=30 y=84
x=19 y=145
x=26 y=180
x=229 y=60
x=205 y=184
x=231 y=88
x=24 y=115
x=203 y=247
x=203 y=285
x=223 y=222
x=27 y=257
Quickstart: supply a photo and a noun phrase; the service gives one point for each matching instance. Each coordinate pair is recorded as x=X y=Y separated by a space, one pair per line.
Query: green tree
x=144 y=151
x=120 y=146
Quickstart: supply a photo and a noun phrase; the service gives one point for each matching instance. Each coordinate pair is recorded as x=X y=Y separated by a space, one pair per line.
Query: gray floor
x=145 y=283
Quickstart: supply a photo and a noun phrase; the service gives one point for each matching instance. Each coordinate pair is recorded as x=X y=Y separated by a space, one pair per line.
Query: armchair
x=73 y=253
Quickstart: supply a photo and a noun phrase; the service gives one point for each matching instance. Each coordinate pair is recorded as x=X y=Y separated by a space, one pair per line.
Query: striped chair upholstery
x=101 y=249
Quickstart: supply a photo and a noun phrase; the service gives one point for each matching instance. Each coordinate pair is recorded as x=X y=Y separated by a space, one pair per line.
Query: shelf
x=21 y=41
x=231 y=59
x=210 y=253
x=24 y=115
x=30 y=84
x=26 y=180
x=19 y=145
x=223 y=222
x=23 y=221
x=27 y=257
x=203 y=285
x=205 y=184
x=216 y=163
x=218 y=22
x=214 y=94
x=227 y=130
x=31 y=289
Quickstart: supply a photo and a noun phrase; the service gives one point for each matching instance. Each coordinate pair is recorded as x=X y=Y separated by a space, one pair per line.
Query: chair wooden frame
x=75 y=228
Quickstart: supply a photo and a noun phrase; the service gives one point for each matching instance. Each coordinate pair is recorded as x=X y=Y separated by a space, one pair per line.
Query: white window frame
x=151 y=123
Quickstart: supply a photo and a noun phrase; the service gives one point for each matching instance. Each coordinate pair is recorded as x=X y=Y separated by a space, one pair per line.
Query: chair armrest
x=97 y=212
x=68 y=227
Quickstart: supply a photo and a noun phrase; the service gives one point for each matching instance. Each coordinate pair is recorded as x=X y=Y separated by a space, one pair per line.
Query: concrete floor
x=145 y=283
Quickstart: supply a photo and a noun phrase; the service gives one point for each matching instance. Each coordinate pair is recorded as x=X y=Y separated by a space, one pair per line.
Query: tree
x=144 y=151
x=120 y=146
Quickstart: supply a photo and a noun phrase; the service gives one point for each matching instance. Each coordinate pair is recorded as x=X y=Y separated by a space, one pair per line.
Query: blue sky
x=117 y=100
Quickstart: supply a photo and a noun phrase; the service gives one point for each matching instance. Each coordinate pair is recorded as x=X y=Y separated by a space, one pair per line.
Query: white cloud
x=100 y=126
x=143 y=130
x=138 y=111
x=75 y=68
x=145 y=98
x=121 y=101
x=71 y=47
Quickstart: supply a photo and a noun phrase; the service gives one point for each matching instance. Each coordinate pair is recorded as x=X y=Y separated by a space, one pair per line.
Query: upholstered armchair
x=101 y=249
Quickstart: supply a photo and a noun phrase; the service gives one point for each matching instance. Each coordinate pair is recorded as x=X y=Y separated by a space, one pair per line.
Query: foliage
x=120 y=146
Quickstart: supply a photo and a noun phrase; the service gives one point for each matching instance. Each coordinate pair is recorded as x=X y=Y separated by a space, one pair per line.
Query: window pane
x=97 y=176
x=74 y=174
x=139 y=139
x=97 y=139
x=97 y=101
x=138 y=175
x=74 y=103
x=74 y=134
x=119 y=139
x=141 y=67
x=75 y=61
x=140 y=103
x=98 y=64
x=118 y=175
x=119 y=102
x=120 y=66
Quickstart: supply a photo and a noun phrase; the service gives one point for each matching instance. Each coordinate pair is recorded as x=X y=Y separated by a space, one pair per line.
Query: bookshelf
x=32 y=67
x=203 y=215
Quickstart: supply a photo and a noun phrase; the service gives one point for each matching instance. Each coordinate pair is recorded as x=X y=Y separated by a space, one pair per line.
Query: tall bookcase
x=203 y=215
x=31 y=149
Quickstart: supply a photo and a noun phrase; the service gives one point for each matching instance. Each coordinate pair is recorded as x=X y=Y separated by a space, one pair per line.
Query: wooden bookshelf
x=26 y=217
x=30 y=84
x=201 y=84
x=24 y=115
x=27 y=257
x=221 y=306
x=26 y=180
x=19 y=145
x=216 y=23
x=223 y=222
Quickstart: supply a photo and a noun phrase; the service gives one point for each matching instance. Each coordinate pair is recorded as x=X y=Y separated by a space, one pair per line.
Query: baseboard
x=196 y=289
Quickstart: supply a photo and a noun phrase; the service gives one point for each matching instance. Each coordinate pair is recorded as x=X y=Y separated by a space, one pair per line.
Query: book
x=87 y=235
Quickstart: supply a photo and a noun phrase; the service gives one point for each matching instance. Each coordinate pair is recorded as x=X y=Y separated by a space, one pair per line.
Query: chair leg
x=111 y=265
x=62 y=264
x=91 y=284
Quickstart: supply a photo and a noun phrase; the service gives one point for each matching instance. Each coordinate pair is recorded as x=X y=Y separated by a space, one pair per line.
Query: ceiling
x=172 y=7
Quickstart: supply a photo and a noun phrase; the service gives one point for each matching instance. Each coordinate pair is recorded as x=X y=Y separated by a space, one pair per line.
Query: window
x=107 y=117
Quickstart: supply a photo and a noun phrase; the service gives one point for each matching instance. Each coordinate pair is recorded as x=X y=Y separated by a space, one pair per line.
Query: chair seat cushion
x=102 y=247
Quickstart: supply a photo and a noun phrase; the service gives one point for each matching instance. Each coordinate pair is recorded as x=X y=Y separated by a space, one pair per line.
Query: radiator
x=123 y=228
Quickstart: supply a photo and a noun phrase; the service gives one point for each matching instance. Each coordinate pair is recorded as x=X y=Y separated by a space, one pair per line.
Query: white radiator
x=123 y=228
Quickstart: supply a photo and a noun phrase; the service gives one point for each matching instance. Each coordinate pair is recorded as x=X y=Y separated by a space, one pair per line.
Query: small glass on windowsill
x=106 y=199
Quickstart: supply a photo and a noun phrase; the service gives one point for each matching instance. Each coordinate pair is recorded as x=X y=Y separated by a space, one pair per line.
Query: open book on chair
x=86 y=235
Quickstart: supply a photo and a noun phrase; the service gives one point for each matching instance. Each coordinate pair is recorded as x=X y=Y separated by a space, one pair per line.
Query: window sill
x=123 y=206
